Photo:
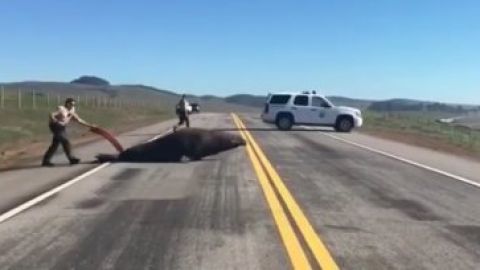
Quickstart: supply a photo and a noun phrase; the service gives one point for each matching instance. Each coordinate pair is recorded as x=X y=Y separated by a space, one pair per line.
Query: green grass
x=425 y=127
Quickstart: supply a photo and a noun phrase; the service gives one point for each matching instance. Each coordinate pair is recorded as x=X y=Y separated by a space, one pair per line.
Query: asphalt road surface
x=298 y=199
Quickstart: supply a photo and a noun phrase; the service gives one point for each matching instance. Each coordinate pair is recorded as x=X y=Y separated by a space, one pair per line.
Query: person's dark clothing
x=183 y=118
x=182 y=113
x=59 y=137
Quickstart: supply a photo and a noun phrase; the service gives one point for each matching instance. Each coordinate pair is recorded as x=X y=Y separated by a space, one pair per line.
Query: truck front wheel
x=344 y=124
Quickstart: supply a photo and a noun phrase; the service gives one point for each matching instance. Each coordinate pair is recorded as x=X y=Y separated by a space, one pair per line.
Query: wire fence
x=30 y=99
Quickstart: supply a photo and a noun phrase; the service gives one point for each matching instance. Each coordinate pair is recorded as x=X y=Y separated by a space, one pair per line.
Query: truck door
x=321 y=112
x=301 y=109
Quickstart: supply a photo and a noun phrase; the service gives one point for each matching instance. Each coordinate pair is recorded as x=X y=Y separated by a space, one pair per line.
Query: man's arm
x=81 y=121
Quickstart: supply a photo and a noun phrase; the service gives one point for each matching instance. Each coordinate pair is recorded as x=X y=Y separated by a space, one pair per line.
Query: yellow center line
x=318 y=248
x=292 y=244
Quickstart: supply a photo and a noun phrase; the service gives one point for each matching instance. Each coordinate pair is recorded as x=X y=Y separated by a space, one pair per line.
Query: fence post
x=48 y=100
x=58 y=100
x=19 y=99
x=2 y=102
x=34 y=105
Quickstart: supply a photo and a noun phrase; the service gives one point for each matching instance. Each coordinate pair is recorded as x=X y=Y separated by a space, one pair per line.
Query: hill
x=247 y=100
x=89 y=86
x=91 y=80
x=137 y=93
x=351 y=102
x=399 y=105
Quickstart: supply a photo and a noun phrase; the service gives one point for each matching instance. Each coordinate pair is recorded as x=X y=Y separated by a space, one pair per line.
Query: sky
x=373 y=49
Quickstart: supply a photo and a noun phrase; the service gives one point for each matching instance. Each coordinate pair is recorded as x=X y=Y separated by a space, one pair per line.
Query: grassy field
x=24 y=132
x=422 y=129
x=32 y=124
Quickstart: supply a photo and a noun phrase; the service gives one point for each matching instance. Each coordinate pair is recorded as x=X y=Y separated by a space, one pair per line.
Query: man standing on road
x=58 y=121
x=182 y=113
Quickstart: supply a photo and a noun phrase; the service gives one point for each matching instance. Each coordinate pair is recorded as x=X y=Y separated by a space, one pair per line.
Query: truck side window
x=301 y=101
x=279 y=99
x=320 y=102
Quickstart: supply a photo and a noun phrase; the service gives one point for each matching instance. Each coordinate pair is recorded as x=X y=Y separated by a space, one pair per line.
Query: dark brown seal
x=193 y=143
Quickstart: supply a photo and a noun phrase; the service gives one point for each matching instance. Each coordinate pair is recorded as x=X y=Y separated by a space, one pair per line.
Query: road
x=299 y=199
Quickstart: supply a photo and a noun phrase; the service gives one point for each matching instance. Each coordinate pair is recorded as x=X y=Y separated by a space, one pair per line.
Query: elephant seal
x=193 y=143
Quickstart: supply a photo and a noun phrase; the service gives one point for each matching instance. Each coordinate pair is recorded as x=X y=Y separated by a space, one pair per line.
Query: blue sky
x=378 y=49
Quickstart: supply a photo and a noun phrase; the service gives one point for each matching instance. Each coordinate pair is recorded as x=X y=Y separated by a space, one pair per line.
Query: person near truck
x=182 y=113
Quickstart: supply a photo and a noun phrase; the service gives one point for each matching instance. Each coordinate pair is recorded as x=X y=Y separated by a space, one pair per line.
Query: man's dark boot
x=47 y=164
x=74 y=161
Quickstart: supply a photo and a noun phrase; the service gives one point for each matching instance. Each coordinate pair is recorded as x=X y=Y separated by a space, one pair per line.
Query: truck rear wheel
x=284 y=122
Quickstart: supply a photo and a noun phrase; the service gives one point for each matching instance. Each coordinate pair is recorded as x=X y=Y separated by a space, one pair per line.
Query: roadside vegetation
x=24 y=129
x=422 y=129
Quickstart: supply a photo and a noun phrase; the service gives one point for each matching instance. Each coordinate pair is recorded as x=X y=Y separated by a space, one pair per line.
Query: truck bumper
x=358 y=122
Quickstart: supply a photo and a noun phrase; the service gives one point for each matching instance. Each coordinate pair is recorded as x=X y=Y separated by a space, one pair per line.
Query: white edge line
x=24 y=206
x=423 y=166
x=49 y=193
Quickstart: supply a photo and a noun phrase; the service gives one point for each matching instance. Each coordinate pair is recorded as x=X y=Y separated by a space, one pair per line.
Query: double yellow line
x=270 y=182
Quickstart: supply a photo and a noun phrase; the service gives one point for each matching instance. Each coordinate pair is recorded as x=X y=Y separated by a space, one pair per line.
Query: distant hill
x=89 y=86
x=130 y=92
x=415 y=105
x=91 y=80
x=147 y=88
x=247 y=100
x=210 y=97
x=60 y=88
x=351 y=102
x=391 y=105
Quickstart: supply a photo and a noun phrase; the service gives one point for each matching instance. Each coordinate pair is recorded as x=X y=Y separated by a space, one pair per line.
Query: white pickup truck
x=288 y=109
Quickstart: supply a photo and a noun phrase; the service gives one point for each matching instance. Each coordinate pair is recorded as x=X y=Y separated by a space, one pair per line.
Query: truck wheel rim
x=284 y=123
x=345 y=125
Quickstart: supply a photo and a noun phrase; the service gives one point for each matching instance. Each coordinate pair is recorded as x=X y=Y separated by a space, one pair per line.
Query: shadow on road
x=37 y=166
x=63 y=165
